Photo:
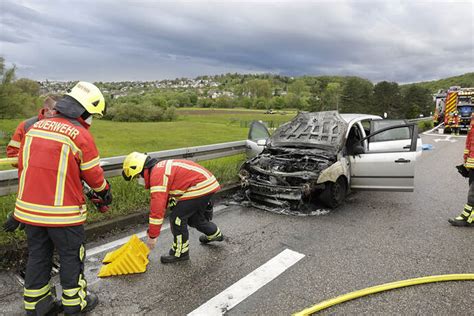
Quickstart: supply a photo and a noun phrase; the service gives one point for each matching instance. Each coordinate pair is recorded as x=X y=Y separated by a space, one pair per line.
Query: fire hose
x=384 y=287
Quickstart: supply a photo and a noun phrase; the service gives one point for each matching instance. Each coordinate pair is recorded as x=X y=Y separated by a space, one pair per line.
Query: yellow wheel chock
x=130 y=258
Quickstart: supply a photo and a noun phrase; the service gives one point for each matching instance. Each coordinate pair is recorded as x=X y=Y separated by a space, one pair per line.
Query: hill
x=466 y=80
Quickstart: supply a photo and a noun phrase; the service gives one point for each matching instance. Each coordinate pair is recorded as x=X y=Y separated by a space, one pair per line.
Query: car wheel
x=334 y=193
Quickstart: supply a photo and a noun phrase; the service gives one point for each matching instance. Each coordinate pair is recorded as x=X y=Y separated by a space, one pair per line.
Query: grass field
x=194 y=127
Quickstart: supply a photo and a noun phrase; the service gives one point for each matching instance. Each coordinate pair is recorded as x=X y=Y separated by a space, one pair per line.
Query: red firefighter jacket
x=455 y=121
x=180 y=179
x=55 y=155
x=469 y=149
x=13 y=146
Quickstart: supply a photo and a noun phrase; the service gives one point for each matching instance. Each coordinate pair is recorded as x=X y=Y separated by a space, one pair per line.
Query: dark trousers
x=189 y=212
x=69 y=243
x=470 y=194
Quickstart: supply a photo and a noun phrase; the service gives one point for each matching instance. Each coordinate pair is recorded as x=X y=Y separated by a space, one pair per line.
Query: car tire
x=334 y=193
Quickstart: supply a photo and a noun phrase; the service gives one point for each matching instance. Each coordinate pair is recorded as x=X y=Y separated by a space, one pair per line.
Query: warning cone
x=130 y=258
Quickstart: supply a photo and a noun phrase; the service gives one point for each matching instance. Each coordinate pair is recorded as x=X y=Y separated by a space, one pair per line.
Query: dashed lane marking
x=248 y=285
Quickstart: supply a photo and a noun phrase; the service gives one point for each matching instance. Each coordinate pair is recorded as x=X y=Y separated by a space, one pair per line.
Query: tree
x=17 y=98
x=298 y=87
x=28 y=86
x=418 y=101
x=356 y=96
x=331 y=96
x=259 y=88
x=387 y=98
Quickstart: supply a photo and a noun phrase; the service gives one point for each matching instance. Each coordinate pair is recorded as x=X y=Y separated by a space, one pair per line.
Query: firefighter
x=55 y=155
x=450 y=120
x=47 y=111
x=187 y=189
x=455 y=124
x=466 y=218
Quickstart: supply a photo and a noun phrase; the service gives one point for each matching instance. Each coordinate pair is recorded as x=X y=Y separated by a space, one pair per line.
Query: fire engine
x=455 y=100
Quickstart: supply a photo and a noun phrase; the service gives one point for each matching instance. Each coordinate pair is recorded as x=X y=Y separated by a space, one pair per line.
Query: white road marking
x=142 y=234
x=245 y=287
x=447 y=139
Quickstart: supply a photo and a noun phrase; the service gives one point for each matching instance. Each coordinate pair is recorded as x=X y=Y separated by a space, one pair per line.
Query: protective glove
x=96 y=199
x=98 y=203
x=106 y=194
x=12 y=224
x=463 y=170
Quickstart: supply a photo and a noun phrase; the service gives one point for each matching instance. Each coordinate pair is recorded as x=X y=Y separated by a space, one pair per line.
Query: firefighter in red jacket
x=186 y=188
x=455 y=124
x=13 y=146
x=55 y=155
x=466 y=218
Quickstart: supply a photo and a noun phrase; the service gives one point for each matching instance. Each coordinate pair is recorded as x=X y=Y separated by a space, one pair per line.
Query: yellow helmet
x=89 y=96
x=133 y=165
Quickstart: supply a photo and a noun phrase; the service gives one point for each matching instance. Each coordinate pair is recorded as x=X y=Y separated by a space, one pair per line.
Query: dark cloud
x=402 y=41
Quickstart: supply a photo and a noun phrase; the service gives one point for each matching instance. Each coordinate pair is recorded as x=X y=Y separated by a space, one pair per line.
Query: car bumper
x=277 y=196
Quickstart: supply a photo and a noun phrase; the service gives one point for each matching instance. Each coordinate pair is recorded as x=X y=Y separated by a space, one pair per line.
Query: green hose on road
x=382 y=288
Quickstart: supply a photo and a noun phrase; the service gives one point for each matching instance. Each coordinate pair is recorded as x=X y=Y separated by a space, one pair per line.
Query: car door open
x=257 y=137
x=386 y=166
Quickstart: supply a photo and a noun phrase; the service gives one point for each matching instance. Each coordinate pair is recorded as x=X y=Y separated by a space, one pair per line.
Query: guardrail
x=427 y=118
x=113 y=166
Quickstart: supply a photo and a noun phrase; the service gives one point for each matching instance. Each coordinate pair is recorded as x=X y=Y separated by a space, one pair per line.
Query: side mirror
x=358 y=149
x=261 y=142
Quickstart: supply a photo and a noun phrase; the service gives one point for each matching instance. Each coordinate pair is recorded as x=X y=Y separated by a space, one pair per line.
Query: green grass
x=425 y=125
x=194 y=127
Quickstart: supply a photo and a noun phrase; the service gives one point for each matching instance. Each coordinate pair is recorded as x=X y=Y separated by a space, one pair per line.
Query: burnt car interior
x=354 y=142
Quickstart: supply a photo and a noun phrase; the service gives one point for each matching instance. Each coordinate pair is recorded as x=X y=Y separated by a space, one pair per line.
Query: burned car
x=321 y=156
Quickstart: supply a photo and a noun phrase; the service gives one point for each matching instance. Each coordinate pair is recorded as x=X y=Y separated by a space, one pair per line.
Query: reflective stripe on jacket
x=180 y=179
x=13 y=146
x=469 y=149
x=55 y=155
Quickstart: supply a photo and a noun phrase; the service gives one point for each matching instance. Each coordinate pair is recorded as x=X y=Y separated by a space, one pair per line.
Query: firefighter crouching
x=187 y=189
x=55 y=155
x=13 y=147
x=466 y=218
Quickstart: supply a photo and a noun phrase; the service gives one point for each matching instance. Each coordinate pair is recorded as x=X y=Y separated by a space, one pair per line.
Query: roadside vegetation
x=177 y=115
x=159 y=100
x=194 y=127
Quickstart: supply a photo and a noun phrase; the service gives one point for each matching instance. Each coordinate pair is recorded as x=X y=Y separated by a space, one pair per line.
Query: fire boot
x=48 y=307
x=217 y=236
x=92 y=300
x=171 y=258
x=465 y=219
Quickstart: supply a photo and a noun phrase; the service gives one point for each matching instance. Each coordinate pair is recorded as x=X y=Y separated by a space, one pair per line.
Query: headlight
x=244 y=174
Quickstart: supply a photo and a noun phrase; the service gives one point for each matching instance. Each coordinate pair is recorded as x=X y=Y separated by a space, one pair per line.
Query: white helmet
x=89 y=96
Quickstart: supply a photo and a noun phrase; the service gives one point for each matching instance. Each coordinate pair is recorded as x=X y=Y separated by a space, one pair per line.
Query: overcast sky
x=101 y=40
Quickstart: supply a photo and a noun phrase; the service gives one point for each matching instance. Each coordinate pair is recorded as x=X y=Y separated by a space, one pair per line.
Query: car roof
x=349 y=118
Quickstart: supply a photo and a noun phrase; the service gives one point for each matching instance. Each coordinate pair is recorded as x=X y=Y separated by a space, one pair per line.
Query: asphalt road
x=374 y=238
